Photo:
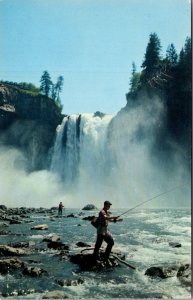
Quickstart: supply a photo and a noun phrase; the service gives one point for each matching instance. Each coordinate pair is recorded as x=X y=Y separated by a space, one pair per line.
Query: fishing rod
x=174 y=188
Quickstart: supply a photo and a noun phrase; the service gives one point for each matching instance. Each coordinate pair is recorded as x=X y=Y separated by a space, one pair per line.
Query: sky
x=91 y=43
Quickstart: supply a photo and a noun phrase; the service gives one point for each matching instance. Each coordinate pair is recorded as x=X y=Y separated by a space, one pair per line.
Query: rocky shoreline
x=16 y=258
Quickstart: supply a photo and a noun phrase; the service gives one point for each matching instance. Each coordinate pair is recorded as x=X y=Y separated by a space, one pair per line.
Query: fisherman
x=60 y=207
x=103 y=233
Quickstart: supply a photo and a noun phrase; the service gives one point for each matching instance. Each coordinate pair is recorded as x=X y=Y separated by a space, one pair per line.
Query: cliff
x=28 y=122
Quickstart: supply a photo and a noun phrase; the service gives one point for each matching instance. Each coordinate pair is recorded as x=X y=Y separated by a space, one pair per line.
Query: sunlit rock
x=40 y=227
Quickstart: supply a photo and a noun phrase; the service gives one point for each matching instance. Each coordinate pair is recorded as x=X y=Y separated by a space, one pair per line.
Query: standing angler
x=60 y=207
x=103 y=233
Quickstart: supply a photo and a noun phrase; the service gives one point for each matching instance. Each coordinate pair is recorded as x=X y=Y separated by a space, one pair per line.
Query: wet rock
x=10 y=264
x=55 y=295
x=68 y=282
x=184 y=274
x=28 y=221
x=53 y=238
x=58 y=245
x=89 y=218
x=90 y=207
x=82 y=244
x=34 y=271
x=81 y=214
x=22 y=244
x=10 y=251
x=15 y=221
x=71 y=216
x=3 y=207
x=3 y=226
x=87 y=262
x=63 y=255
x=40 y=227
x=175 y=244
x=162 y=272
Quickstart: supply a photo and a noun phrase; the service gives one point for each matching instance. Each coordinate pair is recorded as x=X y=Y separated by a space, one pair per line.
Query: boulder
x=90 y=207
x=55 y=295
x=87 y=262
x=68 y=282
x=10 y=264
x=162 y=272
x=82 y=244
x=175 y=244
x=53 y=238
x=71 y=216
x=3 y=207
x=184 y=274
x=10 y=251
x=34 y=271
x=58 y=245
x=3 y=226
x=89 y=218
x=40 y=227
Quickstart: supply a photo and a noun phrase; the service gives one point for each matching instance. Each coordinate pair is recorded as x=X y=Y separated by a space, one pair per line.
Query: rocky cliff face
x=28 y=122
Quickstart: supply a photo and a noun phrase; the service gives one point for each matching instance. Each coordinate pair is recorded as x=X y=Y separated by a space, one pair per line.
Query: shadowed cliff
x=28 y=122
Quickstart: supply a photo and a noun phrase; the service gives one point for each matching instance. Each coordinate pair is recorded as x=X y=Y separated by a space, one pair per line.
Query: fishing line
x=172 y=189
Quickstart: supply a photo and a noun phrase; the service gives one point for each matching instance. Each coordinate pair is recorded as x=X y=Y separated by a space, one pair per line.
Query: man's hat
x=107 y=203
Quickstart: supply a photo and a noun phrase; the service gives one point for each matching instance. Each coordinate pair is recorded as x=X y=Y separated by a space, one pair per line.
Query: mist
x=20 y=188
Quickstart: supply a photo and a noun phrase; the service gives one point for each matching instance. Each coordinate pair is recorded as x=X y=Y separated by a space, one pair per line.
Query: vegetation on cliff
x=47 y=88
x=170 y=78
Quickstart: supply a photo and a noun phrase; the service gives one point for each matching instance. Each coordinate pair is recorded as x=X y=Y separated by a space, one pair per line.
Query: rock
x=15 y=222
x=53 y=238
x=90 y=207
x=175 y=244
x=10 y=251
x=10 y=264
x=3 y=207
x=3 y=226
x=162 y=272
x=68 y=282
x=184 y=274
x=55 y=295
x=71 y=216
x=81 y=244
x=58 y=245
x=87 y=262
x=34 y=271
x=89 y=218
x=22 y=244
x=99 y=114
x=32 y=120
x=40 y=227
x=81 y=214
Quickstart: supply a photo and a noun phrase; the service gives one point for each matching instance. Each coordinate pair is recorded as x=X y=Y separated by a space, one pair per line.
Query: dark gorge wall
x=28 y=122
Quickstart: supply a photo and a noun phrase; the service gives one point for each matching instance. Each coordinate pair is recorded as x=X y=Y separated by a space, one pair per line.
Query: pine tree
x=152 y=58
x=46 y=83
x=135 y=80
x=58 y=86
x=171 y=55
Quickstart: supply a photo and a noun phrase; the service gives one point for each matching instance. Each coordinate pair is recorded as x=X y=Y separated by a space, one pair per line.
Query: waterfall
x=79 y=155
x=111 y=157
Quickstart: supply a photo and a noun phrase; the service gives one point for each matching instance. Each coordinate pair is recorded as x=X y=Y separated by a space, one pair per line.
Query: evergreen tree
x=135 y=81
x=171 y=55
x=46 y=83
x=152 y=58
x=58 y=86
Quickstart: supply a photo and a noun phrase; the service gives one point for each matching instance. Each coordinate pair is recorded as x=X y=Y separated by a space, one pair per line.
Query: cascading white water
x=97 y=159
x=65 y=156
x=79 y=154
